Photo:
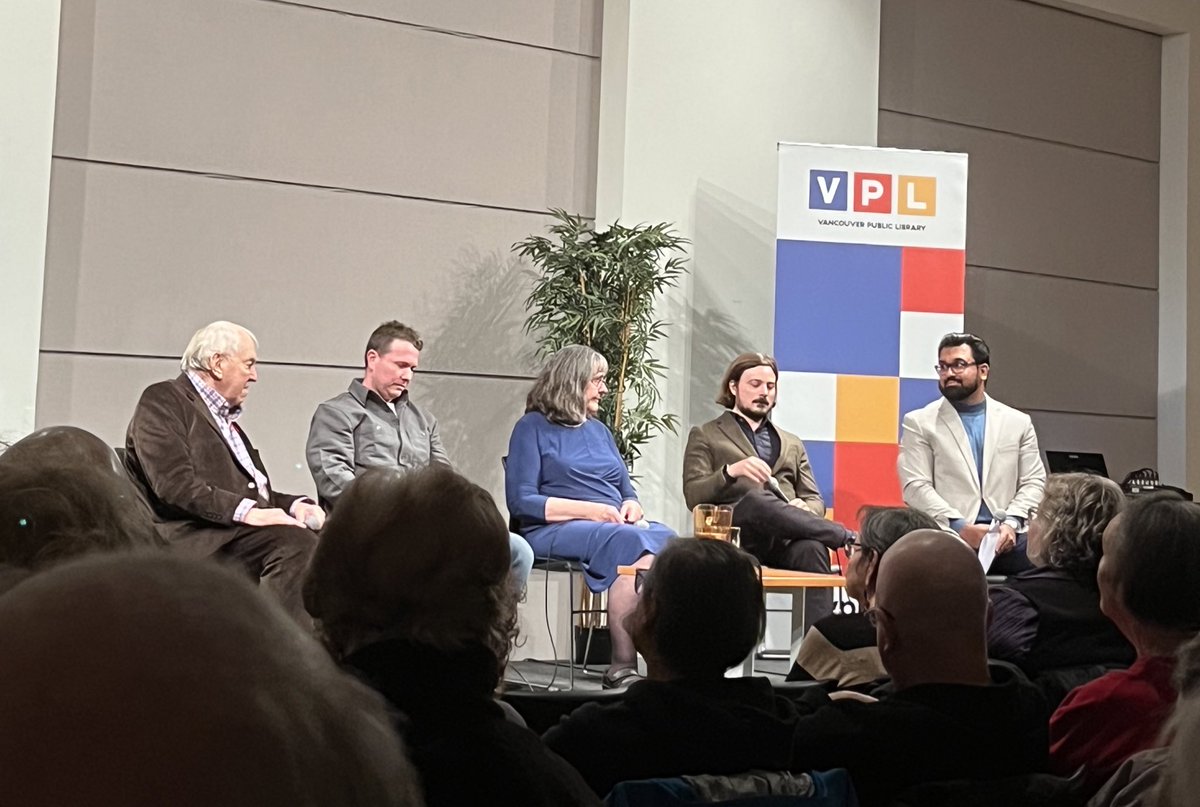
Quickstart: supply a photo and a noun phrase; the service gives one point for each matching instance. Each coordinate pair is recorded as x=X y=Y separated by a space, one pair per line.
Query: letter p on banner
x=873 y=193
x=917 y=197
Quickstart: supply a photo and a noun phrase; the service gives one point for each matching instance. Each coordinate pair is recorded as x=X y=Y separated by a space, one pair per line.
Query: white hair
x=216 y=337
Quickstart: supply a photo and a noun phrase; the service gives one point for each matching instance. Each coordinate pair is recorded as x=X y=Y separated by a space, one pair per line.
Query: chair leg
x=571 y=630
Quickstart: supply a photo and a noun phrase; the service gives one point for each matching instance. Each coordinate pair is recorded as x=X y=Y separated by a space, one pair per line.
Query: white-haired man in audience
x=203 y=479
x=155 y=680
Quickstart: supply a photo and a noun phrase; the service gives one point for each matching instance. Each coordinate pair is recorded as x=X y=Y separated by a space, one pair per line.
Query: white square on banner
x=920 y=333
x=807 y=405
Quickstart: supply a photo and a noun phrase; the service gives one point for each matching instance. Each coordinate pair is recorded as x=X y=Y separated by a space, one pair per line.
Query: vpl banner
x=869 y=273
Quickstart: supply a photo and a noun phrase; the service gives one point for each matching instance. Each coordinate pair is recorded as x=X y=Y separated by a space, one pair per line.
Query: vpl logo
x=872 y=193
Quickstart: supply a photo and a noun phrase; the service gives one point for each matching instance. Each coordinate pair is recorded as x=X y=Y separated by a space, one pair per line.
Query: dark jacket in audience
x=1045 y=619
x=926 y=733
x=841 y=648
x=677 y=728
x=457 y=735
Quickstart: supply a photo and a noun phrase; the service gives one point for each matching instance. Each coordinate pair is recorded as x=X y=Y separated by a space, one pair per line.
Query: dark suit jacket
x=187 y=472
x=722 y=442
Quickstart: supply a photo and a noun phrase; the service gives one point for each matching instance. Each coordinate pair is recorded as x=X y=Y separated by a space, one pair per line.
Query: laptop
x=1062 y=462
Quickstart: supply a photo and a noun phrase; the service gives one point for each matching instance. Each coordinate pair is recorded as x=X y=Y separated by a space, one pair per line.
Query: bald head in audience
x=931 y=611
x=152 y=679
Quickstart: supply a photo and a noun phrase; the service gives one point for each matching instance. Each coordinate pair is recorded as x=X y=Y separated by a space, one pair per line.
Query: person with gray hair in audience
x=700 y=612
x=410 y=588
x=1047 y=619
x=151 y=680
x=1149 y=579
x=204 y=480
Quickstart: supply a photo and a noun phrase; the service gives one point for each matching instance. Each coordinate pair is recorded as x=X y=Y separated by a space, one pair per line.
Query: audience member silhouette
x=841 y=647
x=151 y=679
x=949 y=718
x=63 y=493
x=1149 y=578
x=700 y=612
x=410 y=587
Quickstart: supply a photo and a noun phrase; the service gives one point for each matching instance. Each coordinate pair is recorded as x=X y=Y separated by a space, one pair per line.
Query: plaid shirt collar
x=214 y=400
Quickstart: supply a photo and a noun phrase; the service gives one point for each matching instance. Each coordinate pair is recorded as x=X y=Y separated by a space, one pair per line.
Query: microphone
x=313 y=522
x=773 y=486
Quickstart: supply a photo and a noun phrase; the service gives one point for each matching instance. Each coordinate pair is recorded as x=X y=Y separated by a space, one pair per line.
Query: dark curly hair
x=1075 y=509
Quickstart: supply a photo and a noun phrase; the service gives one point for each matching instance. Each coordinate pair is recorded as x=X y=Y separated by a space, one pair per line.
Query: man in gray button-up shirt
x=374 y=424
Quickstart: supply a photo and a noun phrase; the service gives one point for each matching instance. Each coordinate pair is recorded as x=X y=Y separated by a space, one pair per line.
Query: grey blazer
x=937 y=467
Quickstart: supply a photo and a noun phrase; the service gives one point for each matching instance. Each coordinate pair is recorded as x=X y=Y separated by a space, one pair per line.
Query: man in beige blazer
x=743 y=459
x=967 y=457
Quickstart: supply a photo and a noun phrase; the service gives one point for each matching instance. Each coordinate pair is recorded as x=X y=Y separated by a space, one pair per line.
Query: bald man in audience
x=948 y=717
x=63 y=445
x=156 y=680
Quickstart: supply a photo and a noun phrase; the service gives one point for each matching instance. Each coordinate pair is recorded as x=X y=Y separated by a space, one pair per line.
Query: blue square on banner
x=915 y=393
x=827 y=190
x=820 y=456
x=837 y=308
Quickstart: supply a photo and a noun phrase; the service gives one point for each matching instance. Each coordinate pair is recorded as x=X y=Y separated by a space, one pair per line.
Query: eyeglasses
x=873 y=615
x=853 y=546
x=1033 y=511
x=957 y=367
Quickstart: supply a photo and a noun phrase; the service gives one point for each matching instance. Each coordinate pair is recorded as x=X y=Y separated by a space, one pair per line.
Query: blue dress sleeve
x=522 y=470
x=626 y=486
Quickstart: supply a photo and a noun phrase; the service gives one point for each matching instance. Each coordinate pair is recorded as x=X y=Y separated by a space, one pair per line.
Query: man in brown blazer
x=742 y=459
x=202 y=478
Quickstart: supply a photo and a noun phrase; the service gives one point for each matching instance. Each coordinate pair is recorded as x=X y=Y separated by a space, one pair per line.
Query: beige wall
x=696 y=95
x=1063 y=205
x=1178 y=22
x=309 y=170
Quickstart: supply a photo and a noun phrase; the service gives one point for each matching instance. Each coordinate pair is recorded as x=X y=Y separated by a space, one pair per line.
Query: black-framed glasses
x=852 y=547
x=872 y=615
x=956 y=367
x=1033 y=512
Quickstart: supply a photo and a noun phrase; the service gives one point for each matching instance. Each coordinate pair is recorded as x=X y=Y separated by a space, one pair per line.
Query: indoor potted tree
x=599 y=289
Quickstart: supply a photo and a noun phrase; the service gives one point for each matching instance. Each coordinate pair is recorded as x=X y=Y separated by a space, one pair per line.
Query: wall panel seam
x=1022 y=136
x=306 y=185
x=1030 y=410
x=351 y=368
x=430 y=28
x=1033 y=273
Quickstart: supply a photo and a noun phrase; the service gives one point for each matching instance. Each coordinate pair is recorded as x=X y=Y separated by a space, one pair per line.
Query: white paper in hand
x=987 y=547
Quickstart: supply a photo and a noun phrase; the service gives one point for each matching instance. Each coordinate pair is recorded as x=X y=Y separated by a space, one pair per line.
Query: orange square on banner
x=932 y=280
x=868 y=408
x=864 y=473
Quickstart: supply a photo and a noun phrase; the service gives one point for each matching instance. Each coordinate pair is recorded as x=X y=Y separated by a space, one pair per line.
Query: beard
x=958 y=392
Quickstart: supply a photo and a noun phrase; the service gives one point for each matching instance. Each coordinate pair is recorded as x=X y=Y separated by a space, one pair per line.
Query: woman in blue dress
x=569 y=490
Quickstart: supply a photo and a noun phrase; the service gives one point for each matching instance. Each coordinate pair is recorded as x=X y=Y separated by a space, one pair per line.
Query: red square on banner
x=932 y=280
x=864 y=473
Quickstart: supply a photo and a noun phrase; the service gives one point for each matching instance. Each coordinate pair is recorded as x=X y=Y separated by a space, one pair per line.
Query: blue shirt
x=974 y=421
